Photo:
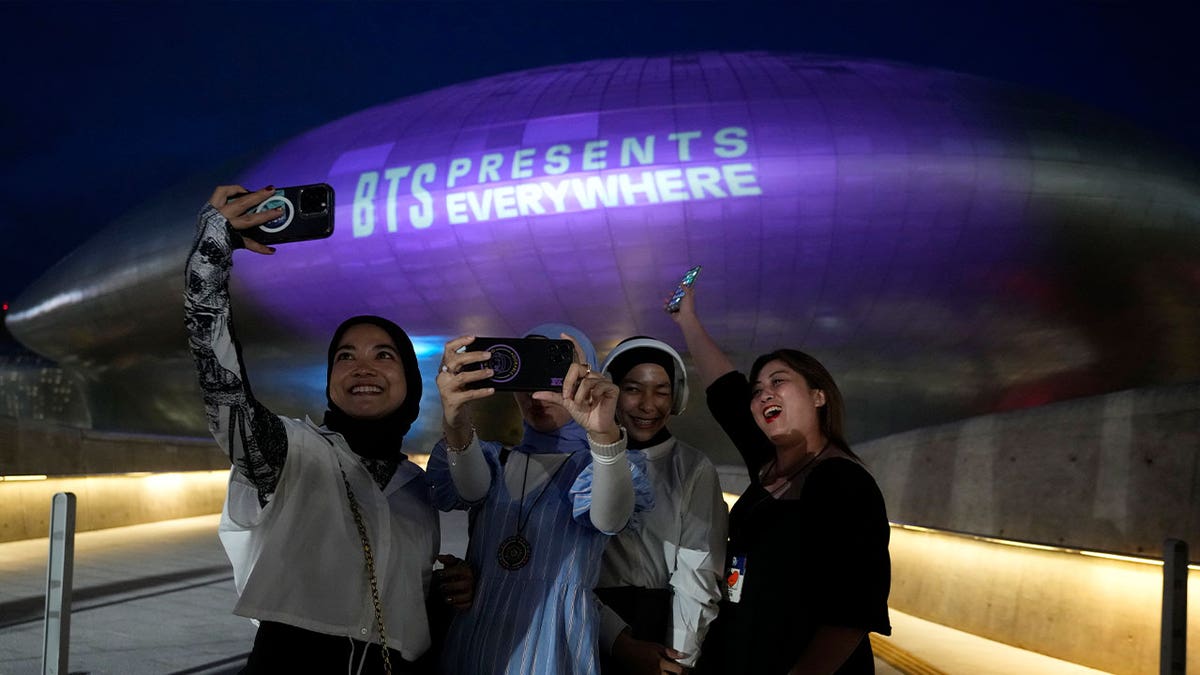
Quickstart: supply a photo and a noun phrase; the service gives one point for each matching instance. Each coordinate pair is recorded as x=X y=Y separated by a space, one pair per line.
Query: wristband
x=459 y=451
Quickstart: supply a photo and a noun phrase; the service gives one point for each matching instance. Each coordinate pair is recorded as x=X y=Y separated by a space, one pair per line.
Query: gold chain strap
x=366 y=543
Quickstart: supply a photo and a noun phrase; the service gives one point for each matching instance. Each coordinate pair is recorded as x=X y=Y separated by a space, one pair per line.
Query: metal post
x=1173 y=658
x=59 y=573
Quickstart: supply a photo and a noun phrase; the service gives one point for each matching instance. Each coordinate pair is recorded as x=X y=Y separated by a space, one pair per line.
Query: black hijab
x=379 y=438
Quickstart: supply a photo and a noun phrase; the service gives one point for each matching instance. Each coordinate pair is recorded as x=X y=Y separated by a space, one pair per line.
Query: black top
x=817 y=556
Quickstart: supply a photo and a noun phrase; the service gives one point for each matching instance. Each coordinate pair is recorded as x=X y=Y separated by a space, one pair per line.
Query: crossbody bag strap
x=370 y=559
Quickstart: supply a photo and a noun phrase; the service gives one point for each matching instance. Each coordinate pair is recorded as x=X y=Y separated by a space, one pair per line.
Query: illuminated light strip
x=917 y=528
x=1025 y=544
x=1038 y=547
x=899 y=659
x=14 y=479
x=1125 y=558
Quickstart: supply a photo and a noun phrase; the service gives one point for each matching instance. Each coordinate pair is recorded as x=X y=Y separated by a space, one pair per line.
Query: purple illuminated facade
x=949 y=245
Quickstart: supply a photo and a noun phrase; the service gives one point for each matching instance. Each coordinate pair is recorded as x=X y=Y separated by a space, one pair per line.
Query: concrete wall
x=110 y=501
x=44 y=448
x=96 y=466
x=1117 y=473
x=1097 y=612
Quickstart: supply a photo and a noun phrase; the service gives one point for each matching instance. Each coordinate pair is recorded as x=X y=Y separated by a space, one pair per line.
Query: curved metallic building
x=951 y=246
x=1005 y=284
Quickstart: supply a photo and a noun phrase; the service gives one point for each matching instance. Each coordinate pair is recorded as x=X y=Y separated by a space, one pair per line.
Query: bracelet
x=459 y=451
x=603 y=449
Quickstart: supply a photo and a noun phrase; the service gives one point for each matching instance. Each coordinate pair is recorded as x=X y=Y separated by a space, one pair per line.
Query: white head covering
x=679 y=386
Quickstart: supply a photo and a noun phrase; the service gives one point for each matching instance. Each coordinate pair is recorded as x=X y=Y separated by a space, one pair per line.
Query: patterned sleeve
x=254 y=437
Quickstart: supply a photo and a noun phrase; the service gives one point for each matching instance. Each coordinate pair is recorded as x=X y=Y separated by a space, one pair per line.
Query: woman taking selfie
x=329 y=527
x=808 y=572
x=541 y=514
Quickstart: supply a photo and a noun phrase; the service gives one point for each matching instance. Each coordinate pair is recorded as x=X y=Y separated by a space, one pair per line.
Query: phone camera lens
x=313 y=200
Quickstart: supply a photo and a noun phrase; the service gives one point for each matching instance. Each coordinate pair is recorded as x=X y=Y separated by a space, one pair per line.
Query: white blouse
x=299 y=559
x=680 y=545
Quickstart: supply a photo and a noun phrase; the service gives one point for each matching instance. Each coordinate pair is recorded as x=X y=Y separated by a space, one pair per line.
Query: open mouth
x=771 y=412
x=366 y=389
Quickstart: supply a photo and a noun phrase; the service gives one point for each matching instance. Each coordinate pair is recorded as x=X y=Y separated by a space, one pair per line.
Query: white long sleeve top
x=299 y=559
x=680 y=545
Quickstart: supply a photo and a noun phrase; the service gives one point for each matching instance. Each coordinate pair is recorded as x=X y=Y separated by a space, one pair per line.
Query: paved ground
x=148 y=599
x=157 y=599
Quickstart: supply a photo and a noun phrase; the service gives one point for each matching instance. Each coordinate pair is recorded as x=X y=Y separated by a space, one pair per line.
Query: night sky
x=108 y=102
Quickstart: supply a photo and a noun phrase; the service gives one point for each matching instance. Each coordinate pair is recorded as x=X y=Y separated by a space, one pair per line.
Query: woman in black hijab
x=329 y=528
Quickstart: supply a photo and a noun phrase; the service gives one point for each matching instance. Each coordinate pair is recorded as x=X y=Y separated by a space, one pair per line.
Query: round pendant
x=513 y=553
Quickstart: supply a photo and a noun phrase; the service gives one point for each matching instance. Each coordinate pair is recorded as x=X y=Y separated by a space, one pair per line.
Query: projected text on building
x=557 y=178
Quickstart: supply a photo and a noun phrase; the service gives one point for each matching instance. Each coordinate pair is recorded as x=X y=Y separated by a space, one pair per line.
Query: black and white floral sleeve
x=252 y=435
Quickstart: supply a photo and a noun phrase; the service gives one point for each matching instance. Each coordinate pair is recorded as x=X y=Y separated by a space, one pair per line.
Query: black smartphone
x=688 y=279
x=307 y=214
x=523 y=364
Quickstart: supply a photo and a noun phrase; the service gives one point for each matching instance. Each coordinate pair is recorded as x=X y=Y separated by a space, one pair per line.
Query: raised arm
x=468 y=466
x=711 y=362
x=592 y=401
x=729 y=400
x=254 y=437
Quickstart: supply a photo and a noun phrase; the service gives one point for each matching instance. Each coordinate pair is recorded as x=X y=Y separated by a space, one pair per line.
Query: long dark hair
x=817 y=376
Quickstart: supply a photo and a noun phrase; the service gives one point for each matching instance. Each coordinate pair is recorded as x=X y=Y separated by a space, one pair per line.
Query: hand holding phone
x=307 y=214
x=686 y=282
x=523 y=364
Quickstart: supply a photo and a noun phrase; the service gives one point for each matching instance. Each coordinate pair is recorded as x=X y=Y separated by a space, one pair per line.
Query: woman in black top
x=808 y=568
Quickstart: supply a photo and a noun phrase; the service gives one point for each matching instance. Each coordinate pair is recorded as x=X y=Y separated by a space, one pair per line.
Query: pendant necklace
x=514 y=551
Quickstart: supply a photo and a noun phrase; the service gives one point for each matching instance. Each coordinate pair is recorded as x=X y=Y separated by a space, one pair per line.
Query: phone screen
x=688 y=279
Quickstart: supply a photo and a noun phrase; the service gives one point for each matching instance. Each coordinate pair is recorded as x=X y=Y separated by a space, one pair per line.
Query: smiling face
x=644 y=403
x=367 y=378
x=783 y=404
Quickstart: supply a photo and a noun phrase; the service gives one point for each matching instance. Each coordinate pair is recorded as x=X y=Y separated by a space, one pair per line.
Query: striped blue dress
x=542 y=618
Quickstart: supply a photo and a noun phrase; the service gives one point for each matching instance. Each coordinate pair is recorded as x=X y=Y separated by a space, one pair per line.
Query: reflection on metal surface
x=32 y=388
x=947 y=245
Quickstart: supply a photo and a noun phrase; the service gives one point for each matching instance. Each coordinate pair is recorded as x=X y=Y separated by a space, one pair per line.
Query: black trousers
x=280 y=648
x=646 y=610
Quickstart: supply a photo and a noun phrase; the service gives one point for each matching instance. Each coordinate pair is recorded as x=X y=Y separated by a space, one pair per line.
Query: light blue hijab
x=569 y=438
x=552 y=330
